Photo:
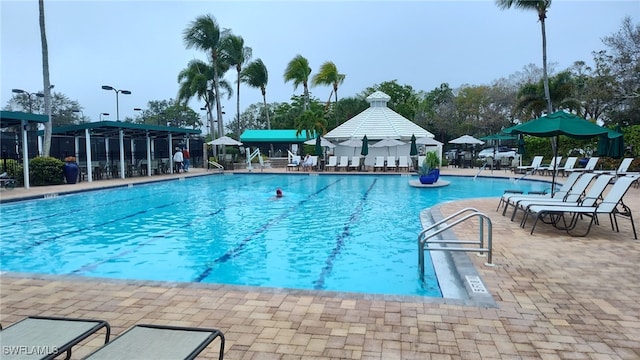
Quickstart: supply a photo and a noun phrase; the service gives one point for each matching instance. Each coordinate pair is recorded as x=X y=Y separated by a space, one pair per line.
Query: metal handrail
x=426 y=235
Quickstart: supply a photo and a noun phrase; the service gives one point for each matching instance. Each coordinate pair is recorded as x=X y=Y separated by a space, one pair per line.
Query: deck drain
x=476 y=284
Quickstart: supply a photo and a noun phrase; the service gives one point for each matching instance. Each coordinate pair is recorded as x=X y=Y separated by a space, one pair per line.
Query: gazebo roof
x=112 y=128
x=378 y=122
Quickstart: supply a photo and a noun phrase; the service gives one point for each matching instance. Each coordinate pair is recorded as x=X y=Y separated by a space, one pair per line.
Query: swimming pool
x=354 y=233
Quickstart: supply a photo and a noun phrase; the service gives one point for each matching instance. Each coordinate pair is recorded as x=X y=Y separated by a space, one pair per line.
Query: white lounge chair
x=568 y=165
x=391 y=163
x=552 y=167
x=622 y=168
x=333 y=162
x=403 y=162
x=574 y=198
x=590 y=166
x=159 y=342
x=355 y=163
x=610 y=205
x=379 y=163
x=511 y=198
x=295 y=163
x=344 y=163
x=535 y=164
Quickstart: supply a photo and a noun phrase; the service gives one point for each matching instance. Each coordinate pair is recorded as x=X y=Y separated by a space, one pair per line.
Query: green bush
x=46 y=171
x=14 y=170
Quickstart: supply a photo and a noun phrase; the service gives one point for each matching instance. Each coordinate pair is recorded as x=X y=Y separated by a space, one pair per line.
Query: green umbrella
x=616 y=146
x=561 y=123
x=365 y=146
x=318 y=146
x=414 y=147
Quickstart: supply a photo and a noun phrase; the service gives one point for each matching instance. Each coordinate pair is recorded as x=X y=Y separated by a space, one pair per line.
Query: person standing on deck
x=186 y=162
x=178 y=159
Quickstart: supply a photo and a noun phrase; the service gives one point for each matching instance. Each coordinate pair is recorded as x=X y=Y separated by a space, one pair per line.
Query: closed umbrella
x=414 y=147
x=561 y=123
x=365 y=146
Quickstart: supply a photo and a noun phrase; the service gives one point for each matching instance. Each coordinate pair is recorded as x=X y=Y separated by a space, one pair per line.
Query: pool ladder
x=427 y=236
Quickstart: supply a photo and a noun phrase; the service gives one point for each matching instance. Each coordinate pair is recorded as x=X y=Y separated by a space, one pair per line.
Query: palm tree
x=298 y=72
x=312 y=123
x=541 y=7
x=48 y=126
x=236 y=54
x=204 y=33
x=329 y=75
x=257 y=76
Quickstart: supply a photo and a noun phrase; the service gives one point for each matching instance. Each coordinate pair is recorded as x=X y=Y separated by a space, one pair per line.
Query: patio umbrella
x=318 y=146
x=466 y=140
x=388 y=143
x=414 y=147
x=354 y=143
x=611 y=147
x=428 y=141
x=224 y=140
x=561 y=123
x=324 y=142
x=365 y=146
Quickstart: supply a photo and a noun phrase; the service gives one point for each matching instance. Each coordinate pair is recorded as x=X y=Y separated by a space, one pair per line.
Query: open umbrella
x=611 y=147
x=414 y=147
x=323 y=142
x=224 y=140
x=388 y=143
x=561 y=123
x=466 y=139
x=365 y=146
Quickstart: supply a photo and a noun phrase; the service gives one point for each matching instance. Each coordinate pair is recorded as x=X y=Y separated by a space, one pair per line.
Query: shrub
x=46 y=171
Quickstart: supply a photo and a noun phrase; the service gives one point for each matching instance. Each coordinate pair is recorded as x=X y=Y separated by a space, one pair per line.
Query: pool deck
x=557 y=297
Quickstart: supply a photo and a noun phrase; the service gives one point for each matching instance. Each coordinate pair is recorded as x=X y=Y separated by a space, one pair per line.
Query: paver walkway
x=558 y=297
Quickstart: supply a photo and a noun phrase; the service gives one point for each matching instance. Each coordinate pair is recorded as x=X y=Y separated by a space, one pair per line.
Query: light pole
x=105 y=114
x=20 y=91
x=125 y=92
x=81 y=113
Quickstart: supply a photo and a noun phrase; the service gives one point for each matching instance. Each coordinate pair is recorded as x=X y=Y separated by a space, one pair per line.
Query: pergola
x=20 y=119
x=121 y=130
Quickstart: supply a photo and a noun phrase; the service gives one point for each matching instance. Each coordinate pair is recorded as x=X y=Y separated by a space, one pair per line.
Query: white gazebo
x=378 y=122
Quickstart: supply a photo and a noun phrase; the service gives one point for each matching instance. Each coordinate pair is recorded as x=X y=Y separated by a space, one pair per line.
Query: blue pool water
x=329 y=232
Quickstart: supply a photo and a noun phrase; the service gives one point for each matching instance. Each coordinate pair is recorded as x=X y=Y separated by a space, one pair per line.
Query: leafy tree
x=311 y=122
x=540 y=7
x=329 y=75
x=169 y=113
x=257 y=76
x=298 y=72
x=346 y=108
x=404 y=100
x=204 y=34
x=62 y=108
x=235 y=54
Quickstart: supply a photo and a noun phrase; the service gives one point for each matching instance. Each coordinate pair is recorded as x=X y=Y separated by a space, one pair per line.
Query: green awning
x=274 y=136
x=13 y=118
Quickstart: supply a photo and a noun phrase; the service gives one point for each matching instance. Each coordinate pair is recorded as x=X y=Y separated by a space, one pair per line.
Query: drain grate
x=476 y=284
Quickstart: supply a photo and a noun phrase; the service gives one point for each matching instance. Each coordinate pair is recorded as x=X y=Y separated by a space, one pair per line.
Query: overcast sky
x=138 y=46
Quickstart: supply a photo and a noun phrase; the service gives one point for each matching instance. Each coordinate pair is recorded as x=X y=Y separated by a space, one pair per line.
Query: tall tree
x=540 y=7
x=204 y=34
x=48 y=127
x=236 y=54
x=311 y=123
x=298 y=72
x=257 y=76
x=329 y=75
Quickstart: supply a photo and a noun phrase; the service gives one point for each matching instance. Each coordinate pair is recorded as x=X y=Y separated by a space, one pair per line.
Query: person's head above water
x=278 y=193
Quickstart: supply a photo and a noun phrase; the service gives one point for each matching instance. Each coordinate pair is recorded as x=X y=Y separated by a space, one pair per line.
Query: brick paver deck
x=558 y=297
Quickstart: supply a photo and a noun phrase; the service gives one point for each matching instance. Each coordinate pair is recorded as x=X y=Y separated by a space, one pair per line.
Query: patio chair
x=622 y=168
x=391 y=163
x=510 y=197
x=344 y=163
x=552 y=167
x=590 y=166
x=586 y=198
x=51 y=336
x=568 y=165
x=611 y=205
x=333 y=162
x=295 y=163
x=535 y=164
x=159 y=342
x=7 y=182
x=403 y=162
x=355 y=162
x=379 y=163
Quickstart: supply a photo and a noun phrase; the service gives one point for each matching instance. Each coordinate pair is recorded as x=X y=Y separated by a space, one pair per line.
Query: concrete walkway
x=558 y=297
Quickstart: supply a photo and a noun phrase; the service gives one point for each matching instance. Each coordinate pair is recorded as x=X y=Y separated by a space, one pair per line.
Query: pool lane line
x=128 y=250
x=340 y=239
x=231 y=253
